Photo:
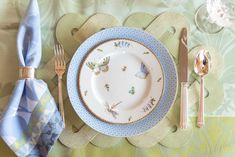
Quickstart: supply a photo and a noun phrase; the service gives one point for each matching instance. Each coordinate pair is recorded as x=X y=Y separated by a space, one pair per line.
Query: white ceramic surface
x=121 y=81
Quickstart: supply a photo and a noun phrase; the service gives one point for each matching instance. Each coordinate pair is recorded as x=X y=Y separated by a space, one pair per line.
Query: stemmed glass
x=215 y=14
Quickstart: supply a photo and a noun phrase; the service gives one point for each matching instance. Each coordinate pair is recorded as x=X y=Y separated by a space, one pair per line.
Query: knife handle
x=184 y=105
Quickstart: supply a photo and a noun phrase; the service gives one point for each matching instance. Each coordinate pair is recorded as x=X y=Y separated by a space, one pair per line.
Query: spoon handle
x=184 y=105
x=200 y=119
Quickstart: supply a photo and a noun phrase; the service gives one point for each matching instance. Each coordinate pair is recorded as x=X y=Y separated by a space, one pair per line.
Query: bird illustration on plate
x=111 y=108
x=143 y=73
x=98 y=67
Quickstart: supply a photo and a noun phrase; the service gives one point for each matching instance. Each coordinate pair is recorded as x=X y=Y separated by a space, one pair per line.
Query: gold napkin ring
x=26 y=72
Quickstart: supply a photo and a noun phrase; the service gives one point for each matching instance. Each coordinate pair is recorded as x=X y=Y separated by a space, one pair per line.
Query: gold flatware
x=60 y=67
x=183 y=77
x=201 y=68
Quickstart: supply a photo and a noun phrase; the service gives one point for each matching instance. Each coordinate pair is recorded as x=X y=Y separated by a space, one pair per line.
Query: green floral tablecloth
x=216 y=139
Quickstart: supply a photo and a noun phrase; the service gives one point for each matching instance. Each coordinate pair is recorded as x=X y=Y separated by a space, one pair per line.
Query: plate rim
x=83 y=62
x=141 y=126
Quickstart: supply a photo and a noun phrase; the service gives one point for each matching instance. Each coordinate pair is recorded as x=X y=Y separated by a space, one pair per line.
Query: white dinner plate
x=120 y=81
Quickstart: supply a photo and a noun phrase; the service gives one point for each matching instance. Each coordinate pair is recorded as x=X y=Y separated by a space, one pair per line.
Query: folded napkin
x=31 y=122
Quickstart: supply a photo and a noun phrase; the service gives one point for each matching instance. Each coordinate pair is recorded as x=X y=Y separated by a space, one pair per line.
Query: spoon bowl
x=202 y=63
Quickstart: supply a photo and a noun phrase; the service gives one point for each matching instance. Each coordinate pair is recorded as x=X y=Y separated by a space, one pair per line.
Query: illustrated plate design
x=120 y=81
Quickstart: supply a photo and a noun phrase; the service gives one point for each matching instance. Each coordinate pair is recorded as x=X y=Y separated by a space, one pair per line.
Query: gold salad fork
x=60 y=67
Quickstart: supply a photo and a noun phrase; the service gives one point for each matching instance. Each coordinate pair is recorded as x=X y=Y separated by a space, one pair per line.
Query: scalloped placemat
x=94 y=24
x=166 y=27
x=65 y=30
x=153 y=136
x=105 y=141
x=139 y=20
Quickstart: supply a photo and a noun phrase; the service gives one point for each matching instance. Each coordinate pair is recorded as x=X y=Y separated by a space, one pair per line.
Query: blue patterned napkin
x=31 y=122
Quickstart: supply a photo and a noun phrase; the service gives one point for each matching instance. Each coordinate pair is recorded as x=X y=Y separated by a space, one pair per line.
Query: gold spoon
x=201 y=68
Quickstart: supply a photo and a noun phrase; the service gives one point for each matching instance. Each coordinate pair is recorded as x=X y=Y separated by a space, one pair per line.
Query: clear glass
x=215 y=14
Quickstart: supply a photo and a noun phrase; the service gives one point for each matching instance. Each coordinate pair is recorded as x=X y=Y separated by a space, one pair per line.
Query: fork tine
x=55 y=51
x=63 y=57
x=60 y=54
x=64 y=62
x=55 y=54
x=61 y=50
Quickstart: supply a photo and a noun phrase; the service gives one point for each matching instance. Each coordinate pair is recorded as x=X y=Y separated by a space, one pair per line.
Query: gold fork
x=60 y=67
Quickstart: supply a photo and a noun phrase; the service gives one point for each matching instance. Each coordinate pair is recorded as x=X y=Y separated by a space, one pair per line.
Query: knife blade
x=183 y=56
x=183 y=78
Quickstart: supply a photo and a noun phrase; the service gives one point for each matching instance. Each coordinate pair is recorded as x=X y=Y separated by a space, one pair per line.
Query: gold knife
x=183 y=78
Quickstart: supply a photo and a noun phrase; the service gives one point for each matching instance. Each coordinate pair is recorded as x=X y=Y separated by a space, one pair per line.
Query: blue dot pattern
x=170 y=82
